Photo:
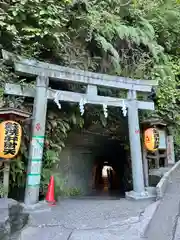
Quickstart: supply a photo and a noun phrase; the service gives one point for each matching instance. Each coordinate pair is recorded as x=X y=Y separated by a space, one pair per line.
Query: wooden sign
x=10 y=139
x=170 y=150
x=162 y=139
x=151 y=139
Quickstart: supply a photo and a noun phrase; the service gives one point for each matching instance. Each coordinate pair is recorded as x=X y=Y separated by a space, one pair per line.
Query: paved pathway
x=86 y=220
x=166 y=218
x=108 y=219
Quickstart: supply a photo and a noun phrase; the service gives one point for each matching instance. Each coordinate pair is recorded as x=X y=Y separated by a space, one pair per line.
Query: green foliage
x=73 y=192
x=100 y=35
x=17 y=173
x=30 y=22
x=109 y=32
x=2 y=191
x=50 y=162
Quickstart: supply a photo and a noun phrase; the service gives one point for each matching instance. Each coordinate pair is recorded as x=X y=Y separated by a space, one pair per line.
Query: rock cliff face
x=12 y=218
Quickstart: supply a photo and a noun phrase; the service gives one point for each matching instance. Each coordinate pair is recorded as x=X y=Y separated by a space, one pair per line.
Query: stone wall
x=76 y=167
x=12 y=217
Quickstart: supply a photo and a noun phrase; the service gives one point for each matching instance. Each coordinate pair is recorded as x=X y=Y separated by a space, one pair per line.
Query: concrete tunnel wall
x=76 y=166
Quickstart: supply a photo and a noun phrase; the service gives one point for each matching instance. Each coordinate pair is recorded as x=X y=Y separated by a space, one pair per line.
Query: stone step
x=12 y=218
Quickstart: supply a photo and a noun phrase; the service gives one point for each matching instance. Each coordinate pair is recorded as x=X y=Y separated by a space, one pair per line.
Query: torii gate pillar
x=135 y=147
x=37 y=143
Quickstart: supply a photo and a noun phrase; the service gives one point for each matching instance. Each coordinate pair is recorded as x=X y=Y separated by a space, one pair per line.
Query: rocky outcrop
x=12 y=218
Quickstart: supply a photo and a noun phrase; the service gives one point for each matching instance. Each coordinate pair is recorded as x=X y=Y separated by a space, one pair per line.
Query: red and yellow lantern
x=151 y=139
x=10 y=139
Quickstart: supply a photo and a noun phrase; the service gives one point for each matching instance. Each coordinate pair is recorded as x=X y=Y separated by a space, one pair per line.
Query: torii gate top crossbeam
x=59 y=73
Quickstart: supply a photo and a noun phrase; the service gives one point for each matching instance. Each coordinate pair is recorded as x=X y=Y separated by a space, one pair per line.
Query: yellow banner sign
x=10 y=139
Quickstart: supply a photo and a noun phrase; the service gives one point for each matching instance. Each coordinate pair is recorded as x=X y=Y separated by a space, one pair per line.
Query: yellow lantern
x=151 y=139
x=10 y=139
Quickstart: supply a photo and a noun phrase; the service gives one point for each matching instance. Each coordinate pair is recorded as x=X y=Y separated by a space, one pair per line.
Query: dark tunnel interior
x=109 y=169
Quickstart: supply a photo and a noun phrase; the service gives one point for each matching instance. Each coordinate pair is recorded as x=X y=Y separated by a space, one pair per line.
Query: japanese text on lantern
x=151 y=139
x=10 y=139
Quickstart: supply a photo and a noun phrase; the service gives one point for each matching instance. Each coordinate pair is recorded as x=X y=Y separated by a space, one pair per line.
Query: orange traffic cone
x=50 y=193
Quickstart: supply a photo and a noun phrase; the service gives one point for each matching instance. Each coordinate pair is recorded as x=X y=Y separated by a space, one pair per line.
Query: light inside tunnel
x=105 y=170
x=110 y=168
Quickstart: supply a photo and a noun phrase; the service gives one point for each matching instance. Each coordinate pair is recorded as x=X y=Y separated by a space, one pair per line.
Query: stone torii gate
x=43 y=72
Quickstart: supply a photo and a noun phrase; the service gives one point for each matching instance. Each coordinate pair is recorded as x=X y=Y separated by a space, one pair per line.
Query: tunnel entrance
x=96 y=162
x=109 y=170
